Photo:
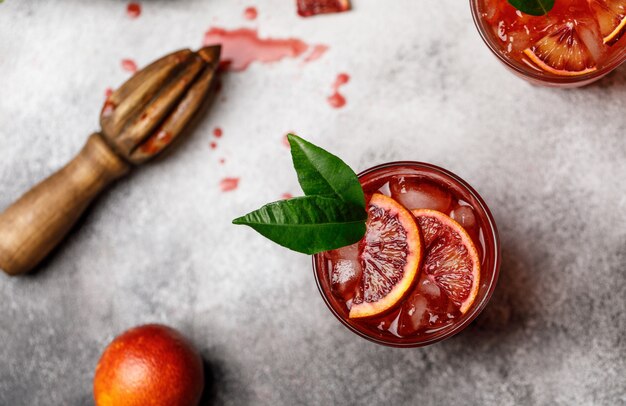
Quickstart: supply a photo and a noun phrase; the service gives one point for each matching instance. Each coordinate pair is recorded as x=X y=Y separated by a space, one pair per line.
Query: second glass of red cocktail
x=575 y=43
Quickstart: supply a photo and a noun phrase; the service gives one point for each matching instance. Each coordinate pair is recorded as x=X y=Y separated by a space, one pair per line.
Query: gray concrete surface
x=159 y=247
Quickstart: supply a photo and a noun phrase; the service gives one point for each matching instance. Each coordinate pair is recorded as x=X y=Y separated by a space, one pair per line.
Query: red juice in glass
x=575 y=43
x=456 y=228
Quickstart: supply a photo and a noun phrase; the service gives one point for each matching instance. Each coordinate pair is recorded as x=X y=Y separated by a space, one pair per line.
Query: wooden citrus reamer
x=139 y=120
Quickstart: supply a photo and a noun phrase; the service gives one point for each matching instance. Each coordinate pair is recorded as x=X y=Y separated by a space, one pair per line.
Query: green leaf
x=533 y=7
x=322 y=173
x=309 y=224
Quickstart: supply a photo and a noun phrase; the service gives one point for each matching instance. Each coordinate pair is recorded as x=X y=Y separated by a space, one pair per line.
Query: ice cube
x=428 y=288
x=413 y=316
x=415 y=193
x=351 y=252
x=345 y=278
x=464 y=215
x=592 y=39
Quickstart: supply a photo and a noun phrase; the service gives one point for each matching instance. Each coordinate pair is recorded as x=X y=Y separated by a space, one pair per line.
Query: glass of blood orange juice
x=427 y=264
x=577 y=42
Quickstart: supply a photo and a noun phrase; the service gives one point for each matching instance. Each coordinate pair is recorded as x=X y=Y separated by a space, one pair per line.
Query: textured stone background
x=159 y=247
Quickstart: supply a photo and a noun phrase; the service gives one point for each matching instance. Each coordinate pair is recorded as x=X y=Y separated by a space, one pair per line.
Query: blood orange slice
x=562 y=52
x=450 y=257
x=390 y=256
x=307 y=8
x=611 y=17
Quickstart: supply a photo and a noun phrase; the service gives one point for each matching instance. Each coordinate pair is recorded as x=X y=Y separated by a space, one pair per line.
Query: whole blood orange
x=149 y=365
x=391 y=253
x=450 y=257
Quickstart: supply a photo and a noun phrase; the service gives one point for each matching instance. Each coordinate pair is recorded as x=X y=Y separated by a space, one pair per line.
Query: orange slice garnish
x=451 y=260
x=562 y=52
x=390 y=256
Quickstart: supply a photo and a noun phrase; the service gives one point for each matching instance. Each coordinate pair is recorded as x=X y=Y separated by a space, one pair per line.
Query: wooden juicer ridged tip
x=139 y=120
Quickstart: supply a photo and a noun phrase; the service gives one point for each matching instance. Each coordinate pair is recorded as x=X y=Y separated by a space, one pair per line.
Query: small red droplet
x=337 y=100
x=221 y=161
x=108 y=108
x=108 y=92
x=250 y=13
x=286 y=196
x=228 y=184
x=217 y=132
x=213 y=145
x=133 y=10
x=129 y=65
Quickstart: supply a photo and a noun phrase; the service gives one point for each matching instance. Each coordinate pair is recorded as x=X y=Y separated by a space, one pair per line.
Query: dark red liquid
x=425 y=314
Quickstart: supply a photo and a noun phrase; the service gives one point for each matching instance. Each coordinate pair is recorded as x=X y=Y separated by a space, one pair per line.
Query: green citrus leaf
x=309 y=224
x=533 y=7
x=322 y=173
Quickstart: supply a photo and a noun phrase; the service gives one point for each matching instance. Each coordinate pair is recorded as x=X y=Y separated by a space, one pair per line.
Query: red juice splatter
x=133 y=10
x=308 y=8
x=337 y=100
x=217 y=132
x=317 y=52
x=156 y=142
x=286 y=196
x=129 y=65
x=250 y=13
x=213 y=145
x=108 y=92
x=228 y=184
x=243 y=46
x=221 y=161
x=108 y=108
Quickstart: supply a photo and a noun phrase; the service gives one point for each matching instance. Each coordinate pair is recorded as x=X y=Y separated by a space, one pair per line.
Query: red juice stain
x=221 y=161
x=129 y=65
x=286 y=196
x=250 y=13
x=213 y=145
x=108 y=108
x=241 y=47
x=133 y=10
x=228 y=184
x=108 y=92
x=286 y=141
x=217 y=132
x=337 y=100
x=317 y=52
x=156 y=142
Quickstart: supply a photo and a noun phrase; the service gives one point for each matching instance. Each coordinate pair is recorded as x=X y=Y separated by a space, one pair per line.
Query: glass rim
x=471 y=316
x=536 y=75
